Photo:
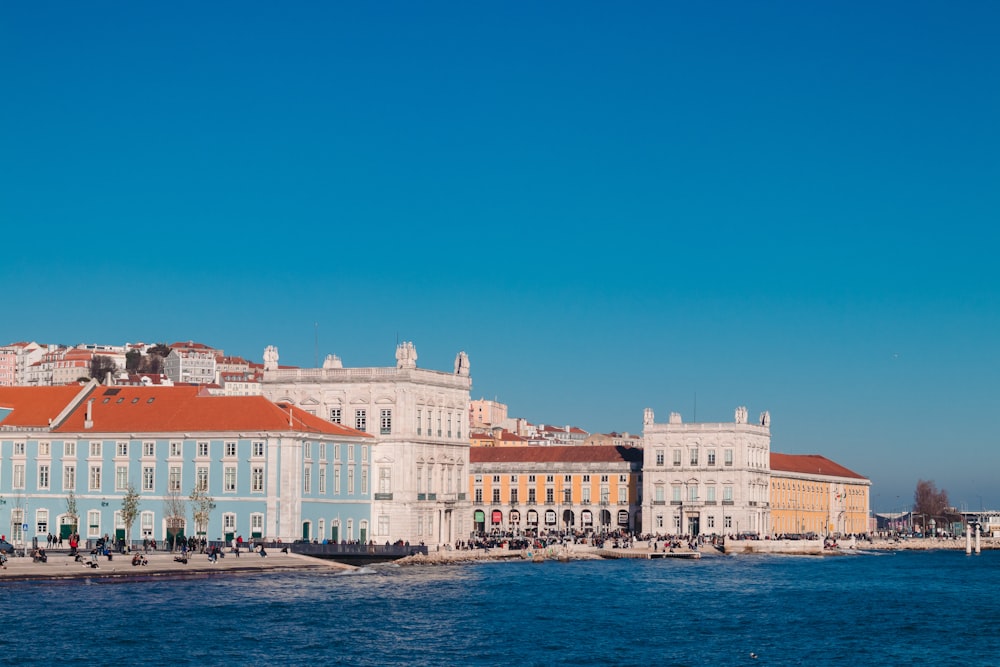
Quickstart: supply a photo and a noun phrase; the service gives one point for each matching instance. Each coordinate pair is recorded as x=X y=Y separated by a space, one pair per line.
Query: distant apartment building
x=706 y=478
x=613 y=439
x=420 y=422
x=25 y=355
x=497 y=437
x=558 y=488
x=8 y=366
x=191 y=362
x=812 y=494
x=241 y=383
x=485 y=414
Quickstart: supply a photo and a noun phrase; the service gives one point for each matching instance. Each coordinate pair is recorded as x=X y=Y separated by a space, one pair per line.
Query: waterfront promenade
x=61 y=566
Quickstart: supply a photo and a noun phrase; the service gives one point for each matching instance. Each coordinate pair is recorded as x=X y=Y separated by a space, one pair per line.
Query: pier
x=646 y=554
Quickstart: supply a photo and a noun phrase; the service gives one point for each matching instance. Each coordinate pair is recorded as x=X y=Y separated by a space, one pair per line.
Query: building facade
x=534 y=491
x=812 y=494
x=419 y=421
x=706 y=478
x=69 y=455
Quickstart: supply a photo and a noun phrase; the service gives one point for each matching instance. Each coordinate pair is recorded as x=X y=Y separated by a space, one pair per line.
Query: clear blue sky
x=685 y=206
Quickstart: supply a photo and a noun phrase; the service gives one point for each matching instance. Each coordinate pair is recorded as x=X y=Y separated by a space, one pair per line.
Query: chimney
x=88 y=422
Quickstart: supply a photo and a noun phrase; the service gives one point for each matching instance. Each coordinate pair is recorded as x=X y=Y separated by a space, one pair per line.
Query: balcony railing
x=383 y=496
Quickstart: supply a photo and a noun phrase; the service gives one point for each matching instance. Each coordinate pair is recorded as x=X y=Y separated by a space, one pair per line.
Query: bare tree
x=72 y=512
x=174 y=511
x=928 y=500
x=130 y=510
x=202 y=506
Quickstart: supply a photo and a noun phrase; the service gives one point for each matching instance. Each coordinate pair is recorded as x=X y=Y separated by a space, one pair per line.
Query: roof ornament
x=461 y=363
x=271 y=358
x=741 y=415
x=406 y=355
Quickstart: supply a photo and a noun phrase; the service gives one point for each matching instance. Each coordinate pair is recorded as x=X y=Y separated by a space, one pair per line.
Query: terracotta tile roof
x=812 y=464
x=158 y=410
x=556 y=454
x=35 y=406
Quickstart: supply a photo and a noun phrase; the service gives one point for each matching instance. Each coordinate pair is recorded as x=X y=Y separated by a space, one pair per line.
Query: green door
x=65 y=531
x=334 y=534
x=305 y=531
x=364 y=535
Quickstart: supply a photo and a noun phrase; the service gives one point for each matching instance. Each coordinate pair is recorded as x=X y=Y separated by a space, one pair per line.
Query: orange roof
x=812 y=464
x=157 y=410
x=35 y=406
x=556 y=454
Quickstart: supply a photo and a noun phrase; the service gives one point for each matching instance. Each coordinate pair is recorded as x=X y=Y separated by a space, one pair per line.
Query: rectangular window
x=69 y=449
x=478 y=496
x=449 y=424
x=622 y=495
x=256 y=525
x=322 y=480
x=201 y=478
x=149 y=449
x=121 y=478
x=675 y=494
x=711 y=494
x=383 y=524
x=728 y=457
x=727 y=493
x=550 y=495
x=360 y=420
x=202 y=449
x=513 y=496
x=385 y=422
x=677 y=457
x=419 y=422
x=711 y=457
x=496 y=496
x=385 y=479
x=43 y=449
x=531 y=496
x=307 y=451
x=364 y=481
x=336 y=452
x=146 y=525
x=693 y=492
x=257 y=479
x=350 y=453
x=229 y=479
x=711 y=521
x=69 y=478
x=257 y=450
x=350 y=480
x=121 y=449
x=18 y=449
x=585 y=497
x=95 y=448
x=335 y=415
x=694 y=457
x=322 y=451
x=659 y=457
x=95 y=478
x=336 y=480
x=567 y=495
x=307 y=480
x=93 y=524
x=230 y=450
x=43 y=478
x=148 y=478
x=174 y=479
x=727 y=522
x=175 y=449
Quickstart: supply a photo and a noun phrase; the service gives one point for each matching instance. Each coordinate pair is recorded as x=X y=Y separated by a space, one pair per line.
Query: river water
x=904 y=608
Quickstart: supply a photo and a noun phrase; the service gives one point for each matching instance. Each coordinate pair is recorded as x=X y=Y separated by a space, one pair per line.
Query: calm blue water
x=893 y=609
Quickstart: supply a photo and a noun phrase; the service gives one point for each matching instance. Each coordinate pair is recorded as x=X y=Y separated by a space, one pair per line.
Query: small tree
x=174 y=510
x=202 y=506
x=73 y=513
x=100 y=366
x=130 y=510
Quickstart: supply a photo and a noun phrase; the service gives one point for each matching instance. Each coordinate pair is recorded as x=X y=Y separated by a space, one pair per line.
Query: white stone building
x=191 y=362
x=705 y=478
x=420 y=420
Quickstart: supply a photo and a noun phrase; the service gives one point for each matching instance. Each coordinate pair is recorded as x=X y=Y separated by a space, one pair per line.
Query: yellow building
x=537 y=490
x=812 y=494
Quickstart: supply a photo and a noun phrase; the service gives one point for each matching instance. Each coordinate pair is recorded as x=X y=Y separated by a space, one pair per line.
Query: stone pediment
x=385 y=459
x=309 y=400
